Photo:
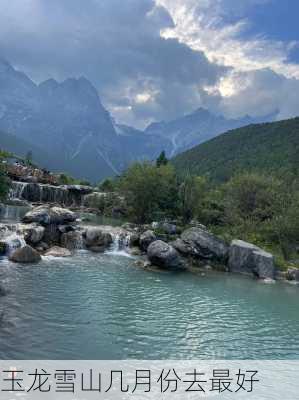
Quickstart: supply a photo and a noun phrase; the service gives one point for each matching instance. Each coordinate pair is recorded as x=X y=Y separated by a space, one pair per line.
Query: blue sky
x=158 y=59
x=277 y=20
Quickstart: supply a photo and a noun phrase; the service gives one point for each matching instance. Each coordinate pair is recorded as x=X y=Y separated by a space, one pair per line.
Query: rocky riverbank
x=57 y=232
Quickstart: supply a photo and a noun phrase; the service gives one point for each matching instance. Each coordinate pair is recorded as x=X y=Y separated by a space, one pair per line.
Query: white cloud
x=198 y=24
x=261 y=79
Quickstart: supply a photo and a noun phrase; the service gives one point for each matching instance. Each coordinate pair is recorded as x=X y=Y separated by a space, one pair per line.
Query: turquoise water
x=103 y=307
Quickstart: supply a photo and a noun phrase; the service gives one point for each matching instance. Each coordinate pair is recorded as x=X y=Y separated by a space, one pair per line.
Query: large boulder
x=46 y=215
x=246 y=258
x=146 y=239
x=57 y=251
x=164 y=256
x=72 y=240
x=96 y=237
x=199 y=243
x=25 y=255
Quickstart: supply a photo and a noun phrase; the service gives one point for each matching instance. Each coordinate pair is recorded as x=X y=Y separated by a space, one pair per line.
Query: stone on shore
x=146 y=239
x=199 y=243
x=164 y=256
x=25 y=255
x=57 y=251
x=246 y=258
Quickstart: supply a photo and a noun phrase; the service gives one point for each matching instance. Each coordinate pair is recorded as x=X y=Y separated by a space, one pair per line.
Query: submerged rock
x=146 y=239
x=246 y=258
x=164 y=256
x=26 y=255
x=199 y=243
x=97 y=249
x=57 y=251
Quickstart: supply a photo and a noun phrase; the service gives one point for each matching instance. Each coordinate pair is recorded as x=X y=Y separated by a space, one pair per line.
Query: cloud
x=114 y=43
x=259 y=68
x=154 y=59
x=265 y=92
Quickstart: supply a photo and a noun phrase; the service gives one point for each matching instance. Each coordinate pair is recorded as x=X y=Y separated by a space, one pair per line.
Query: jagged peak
x=49 y=83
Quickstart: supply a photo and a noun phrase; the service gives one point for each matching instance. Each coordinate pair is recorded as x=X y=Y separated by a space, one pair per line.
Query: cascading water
x=13 y=242
x=16 y=190
x=120 y=244
x=11 y=238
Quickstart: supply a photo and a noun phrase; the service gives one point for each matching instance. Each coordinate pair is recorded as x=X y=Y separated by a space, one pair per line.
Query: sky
x=155 y=60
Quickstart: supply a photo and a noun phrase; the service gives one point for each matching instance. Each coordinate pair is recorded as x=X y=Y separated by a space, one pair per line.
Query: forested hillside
x=269 y=148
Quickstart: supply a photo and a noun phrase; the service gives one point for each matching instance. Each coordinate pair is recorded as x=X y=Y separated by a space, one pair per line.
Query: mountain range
x=67 y=128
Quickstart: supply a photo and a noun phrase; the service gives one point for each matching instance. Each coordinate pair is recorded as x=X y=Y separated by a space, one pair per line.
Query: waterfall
x=12 y=214
x=14 y=242
x=78 y=242
x=11 y=238
x=16 y=190
x=120 y=244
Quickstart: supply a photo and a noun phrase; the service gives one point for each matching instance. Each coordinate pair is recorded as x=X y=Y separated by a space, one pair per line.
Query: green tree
x=107 y=185
x=251 y=197
x=150 y=192
x=191 y=195
x=29 y=158
x=162 y=159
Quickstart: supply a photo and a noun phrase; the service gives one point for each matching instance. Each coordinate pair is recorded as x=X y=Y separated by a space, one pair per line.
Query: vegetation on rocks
x=3 y=176
x=254 y=207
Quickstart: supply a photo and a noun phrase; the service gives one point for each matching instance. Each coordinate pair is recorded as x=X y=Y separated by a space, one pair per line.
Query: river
x=101 y=306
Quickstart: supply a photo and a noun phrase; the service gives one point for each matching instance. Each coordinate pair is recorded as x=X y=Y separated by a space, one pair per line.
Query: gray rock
x=146 y=239
x=33 y=233
x=134 y=240
x=164 y=256
x=42 y=247
x=246 y=258
x=57 y=251
x=26 y=255
x=52 y=235
x=96 y=237
x=46 y=215
x=293 y=274
x=169 y=229
x=66 y=228
x=200 y=243
x=72 y=240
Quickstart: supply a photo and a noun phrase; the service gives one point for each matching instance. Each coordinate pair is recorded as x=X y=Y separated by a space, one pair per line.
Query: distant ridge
x=266 y=148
